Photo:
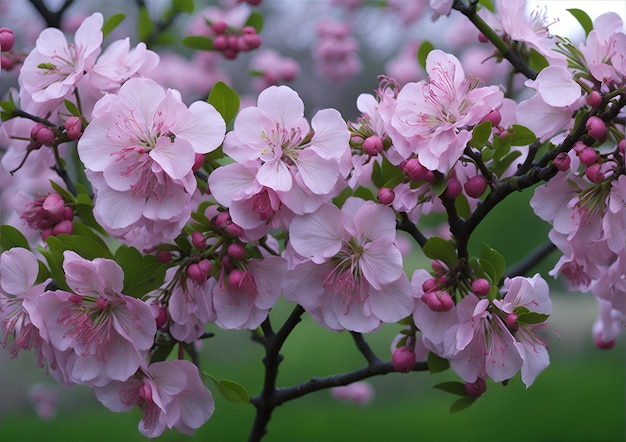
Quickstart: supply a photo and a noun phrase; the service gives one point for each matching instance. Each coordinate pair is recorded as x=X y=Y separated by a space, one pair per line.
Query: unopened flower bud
x=250 y=41
x=74 y=127
x=198 y=162
x=511 y=321
x=373 y=145
x=480 y=287
x=414 y=170
x=454 y=188
x=579 y=146
x=198 y=240
x=403 y=359
x=594 y=99
x=621 y=146
x=43 y=134
x=68 y=213
x=601 y=344
x=164 y=257
x=7 y=63
x=220 y=43
x=588 y=156
x=386 y=195
x=594 y=173
x=54 y=205
x=102 y=303
x=429 y=285
x=7 y=39
x=476 y=186
x=219 y=27
x=475 y=389
x=438 y=300
x=161 y=318
x=596 y=127
x=562 y=161
x=222 y=220
x=494 y=116
x=64 y=227
x=234 y=230
x=205 y=267
x=235 y=277
x=194 y=273
x=236 y=250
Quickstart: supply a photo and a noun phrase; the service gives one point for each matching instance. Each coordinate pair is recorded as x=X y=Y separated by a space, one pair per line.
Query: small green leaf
x=384 y=172
x=224 y=100
x=462 y=404
x=7 y=106
x=47 y=66
x=364 y=193
x=231 y=390
x=43 y=273
x=162 y=352
x=255 y=19
x=494 y=258
x=145 y=25
x=583 y=19
x=183 y=6
x=487 y=4
x=480 y=135
x=502 y=165
x=532 y=318
x=198 y=42
x=453 y=387
x=71 y=107
x=436 y=363
x=423 y=51
x=110 y=24
x=522 y=136
x=11 y=237
x=463 y=208
x=440 y=249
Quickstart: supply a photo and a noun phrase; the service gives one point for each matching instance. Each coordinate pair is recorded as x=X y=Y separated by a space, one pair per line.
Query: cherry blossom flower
x=139 y=151
x=107 y=333
x=353 y=278
x=433 y=116
x=53 y=69
x=169 y=393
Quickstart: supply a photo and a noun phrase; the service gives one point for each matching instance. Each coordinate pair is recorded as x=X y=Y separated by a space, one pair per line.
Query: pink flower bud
x=64 y=227
x=588 y=156
x=494 y=116
x=438 y=266
x=403 y=359
x=198 y=240
x=194 y=273
x=511 y=321
x=476 y=186
x=145 y=392
x=373 y=145
x=414 y=170
x=601 y=344
x=198 y=162
x=429 y=285
x=220 y=43
x=102 y=303
x=219 y=27
x=205 y=267
x=562 y=161
x=161 y=318
x=386 y=195
x=430 y=177
x=594 y=99
x=454 y=188
x=54 y=206
x=475 y=389
x=7 y=39
x=164 y=257
x=74 y=127
x=438 y=300
x=579 y=146
x=594 y=174
x=480 y=287
x=234 y=230
x=7 y=63
x=596 y=127
x=233 y=42
x=621 y=146
x=46 y=233
x=230 y=54
x=235 y=277
x=222 y=220
x=68 y=213
x=251 y=41
x=248 y=30
x=42 y=134
x=236 y=250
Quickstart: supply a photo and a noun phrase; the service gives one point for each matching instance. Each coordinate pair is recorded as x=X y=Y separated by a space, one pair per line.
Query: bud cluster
x=50 y=215
x=231 y=41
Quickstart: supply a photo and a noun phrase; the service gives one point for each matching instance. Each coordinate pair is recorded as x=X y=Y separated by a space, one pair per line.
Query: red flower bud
x=475 y=389
x=480 y=287
x=596 y=127
x=386 y=195
x=403 y=359
x=476 y=186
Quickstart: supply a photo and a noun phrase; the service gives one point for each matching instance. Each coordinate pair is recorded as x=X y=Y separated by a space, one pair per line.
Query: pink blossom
x=609 y=324
x=354 y=279
x=53 y=69
x=360 y=392
x=170 y=394
x=441 y=7
x=139 y=151
x=433 y=116
x=556 y=86
x=108 y=333
x=336 y=52
x=270 y=68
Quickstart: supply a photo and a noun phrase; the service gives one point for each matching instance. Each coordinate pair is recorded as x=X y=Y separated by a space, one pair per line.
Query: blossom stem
x=53 y=19
x=365 y=349
x=530 y=261
x=470 y=12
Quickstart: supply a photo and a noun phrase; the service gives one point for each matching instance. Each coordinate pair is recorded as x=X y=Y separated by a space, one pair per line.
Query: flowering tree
x=135 y=219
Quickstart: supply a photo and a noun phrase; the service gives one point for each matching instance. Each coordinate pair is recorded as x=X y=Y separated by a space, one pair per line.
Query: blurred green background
x=580 y=397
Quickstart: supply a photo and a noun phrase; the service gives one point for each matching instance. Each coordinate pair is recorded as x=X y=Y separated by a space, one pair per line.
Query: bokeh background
x=580 y=397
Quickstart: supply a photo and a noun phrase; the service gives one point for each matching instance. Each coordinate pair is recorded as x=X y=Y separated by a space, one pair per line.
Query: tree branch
x=534 y=258
x=52 y=18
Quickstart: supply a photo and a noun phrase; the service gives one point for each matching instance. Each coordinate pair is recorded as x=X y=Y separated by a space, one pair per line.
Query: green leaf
x=71 y=107
x=198 y=42
x=436 y=363
x=439 y=248
x=224 y=100
x=364 y=193
x=463 y=208
x=537 y=61
x=496 y=260
x=480 y=135
x=532 y=318
x=231 y=390
x=423 y=51
x=11 y=237
x=583 y=19
x=462 y=404
x=453 y=387
x=43 y=273
x=85 y=245
x=67 y=196
x=7 y=106
x=384 y=172
x=161 y=353
x=255 y=19
x=502 y=165
x=522 y=136
x=487 y=4
x=183 y=5
x=145 y=25
x=110 y=24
